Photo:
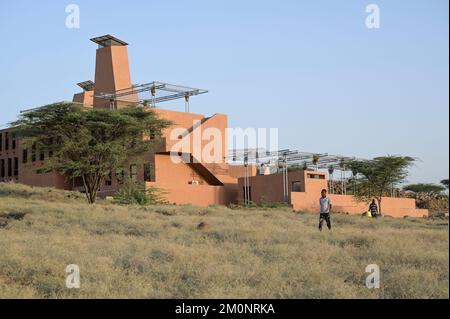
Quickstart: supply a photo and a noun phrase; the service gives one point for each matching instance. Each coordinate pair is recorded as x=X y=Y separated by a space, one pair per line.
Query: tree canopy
x=377 y=176
x=445 y=182
x=424 y=188
x=89 y=143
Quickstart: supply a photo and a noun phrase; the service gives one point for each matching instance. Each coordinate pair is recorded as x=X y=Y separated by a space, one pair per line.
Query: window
x=41 y=155
x=149 y=172
x=16 y=166
x=133 y=172
x=1 y=142
x=33 y=153
x=108 y=180
x=50 y=147
x=24 y=156
x=2 y=168
x=296 y=186
x=316 y=176
x=6 y=141
x=13 y=141
x=120 y=176
x=9 y=167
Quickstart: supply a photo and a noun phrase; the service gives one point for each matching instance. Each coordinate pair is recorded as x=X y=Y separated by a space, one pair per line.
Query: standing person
x=325 y=209
x=373 y=208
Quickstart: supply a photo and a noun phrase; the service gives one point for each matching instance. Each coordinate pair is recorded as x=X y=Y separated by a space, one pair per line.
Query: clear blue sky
x=310 y=68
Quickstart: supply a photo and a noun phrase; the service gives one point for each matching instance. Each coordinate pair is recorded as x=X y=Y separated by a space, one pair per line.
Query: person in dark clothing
x=325 y=209
x=373 y=208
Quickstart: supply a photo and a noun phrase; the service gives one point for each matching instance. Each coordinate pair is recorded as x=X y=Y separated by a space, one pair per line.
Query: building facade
x=185 y=182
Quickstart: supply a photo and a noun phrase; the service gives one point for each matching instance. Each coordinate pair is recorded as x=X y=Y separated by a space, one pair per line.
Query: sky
x=310 y=68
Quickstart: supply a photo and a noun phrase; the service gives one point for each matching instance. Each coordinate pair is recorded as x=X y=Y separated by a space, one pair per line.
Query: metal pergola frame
x=284 y=159
x=291 y=157
x=159 y=91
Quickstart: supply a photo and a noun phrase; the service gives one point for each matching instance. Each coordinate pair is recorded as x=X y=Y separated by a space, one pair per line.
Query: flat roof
x=108 y=40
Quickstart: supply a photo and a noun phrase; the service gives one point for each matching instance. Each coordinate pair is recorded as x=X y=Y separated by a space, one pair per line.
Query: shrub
x=134 y=193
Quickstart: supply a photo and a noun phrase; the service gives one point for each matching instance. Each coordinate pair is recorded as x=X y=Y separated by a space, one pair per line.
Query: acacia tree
x=315 y=160
x=424 y=188
x=378 y=175
x=89 y=143
x=445 y=182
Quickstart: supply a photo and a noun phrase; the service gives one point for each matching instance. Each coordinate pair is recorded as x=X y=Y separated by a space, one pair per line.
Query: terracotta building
x=192 y=182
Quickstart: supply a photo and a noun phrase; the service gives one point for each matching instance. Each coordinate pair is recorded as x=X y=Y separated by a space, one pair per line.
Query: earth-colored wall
x=201 y=195
x=395 y=207
x=86 y=98
x=269 y=188
x=112 y=73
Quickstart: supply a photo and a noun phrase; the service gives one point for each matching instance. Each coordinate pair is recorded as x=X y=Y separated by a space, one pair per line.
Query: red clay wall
x=86 y=98
x=112 y=72
x=185 y=121
x=395 y=207
x=269 y=188
x=201 y=195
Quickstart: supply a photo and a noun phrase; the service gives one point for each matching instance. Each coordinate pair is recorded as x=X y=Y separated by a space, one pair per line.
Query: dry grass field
x=161 y=252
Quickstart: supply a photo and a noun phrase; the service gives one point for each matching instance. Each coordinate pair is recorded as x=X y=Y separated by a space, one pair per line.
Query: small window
x=316 y=176
x=33 y=153
x=1 y=142
x=120 y=176
x=16 y=166
x=6 y=141
x=41 y=155
x=133 y=172
x=9 y=167
x=50 y=151
x=108 y=180
x=296 y=186
x=2 y=168
x=149 y=172
x=24 y=156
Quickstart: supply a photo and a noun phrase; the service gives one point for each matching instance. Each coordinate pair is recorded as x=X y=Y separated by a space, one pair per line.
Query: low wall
x=200 y=195
x=395 y=207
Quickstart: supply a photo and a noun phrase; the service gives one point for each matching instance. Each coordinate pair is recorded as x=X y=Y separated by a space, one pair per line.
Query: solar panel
x=86 y=85
x=108 y=40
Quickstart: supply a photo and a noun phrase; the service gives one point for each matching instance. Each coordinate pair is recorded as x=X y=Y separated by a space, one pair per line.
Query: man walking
x=325 y=209
x=373 y=208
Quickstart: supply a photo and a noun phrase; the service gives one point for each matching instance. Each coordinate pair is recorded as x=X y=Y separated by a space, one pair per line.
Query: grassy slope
x=159 y=252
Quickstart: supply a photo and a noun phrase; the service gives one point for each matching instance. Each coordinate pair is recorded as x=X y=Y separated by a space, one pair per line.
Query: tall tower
x=112 y=73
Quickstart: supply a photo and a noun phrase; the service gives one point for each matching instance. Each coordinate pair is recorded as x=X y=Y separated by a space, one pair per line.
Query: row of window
x=35 y=154
x=7 y=140
x=9 y=167
x=149 y=174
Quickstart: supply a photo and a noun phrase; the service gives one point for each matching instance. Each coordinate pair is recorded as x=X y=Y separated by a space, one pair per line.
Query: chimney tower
x=112 y=72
